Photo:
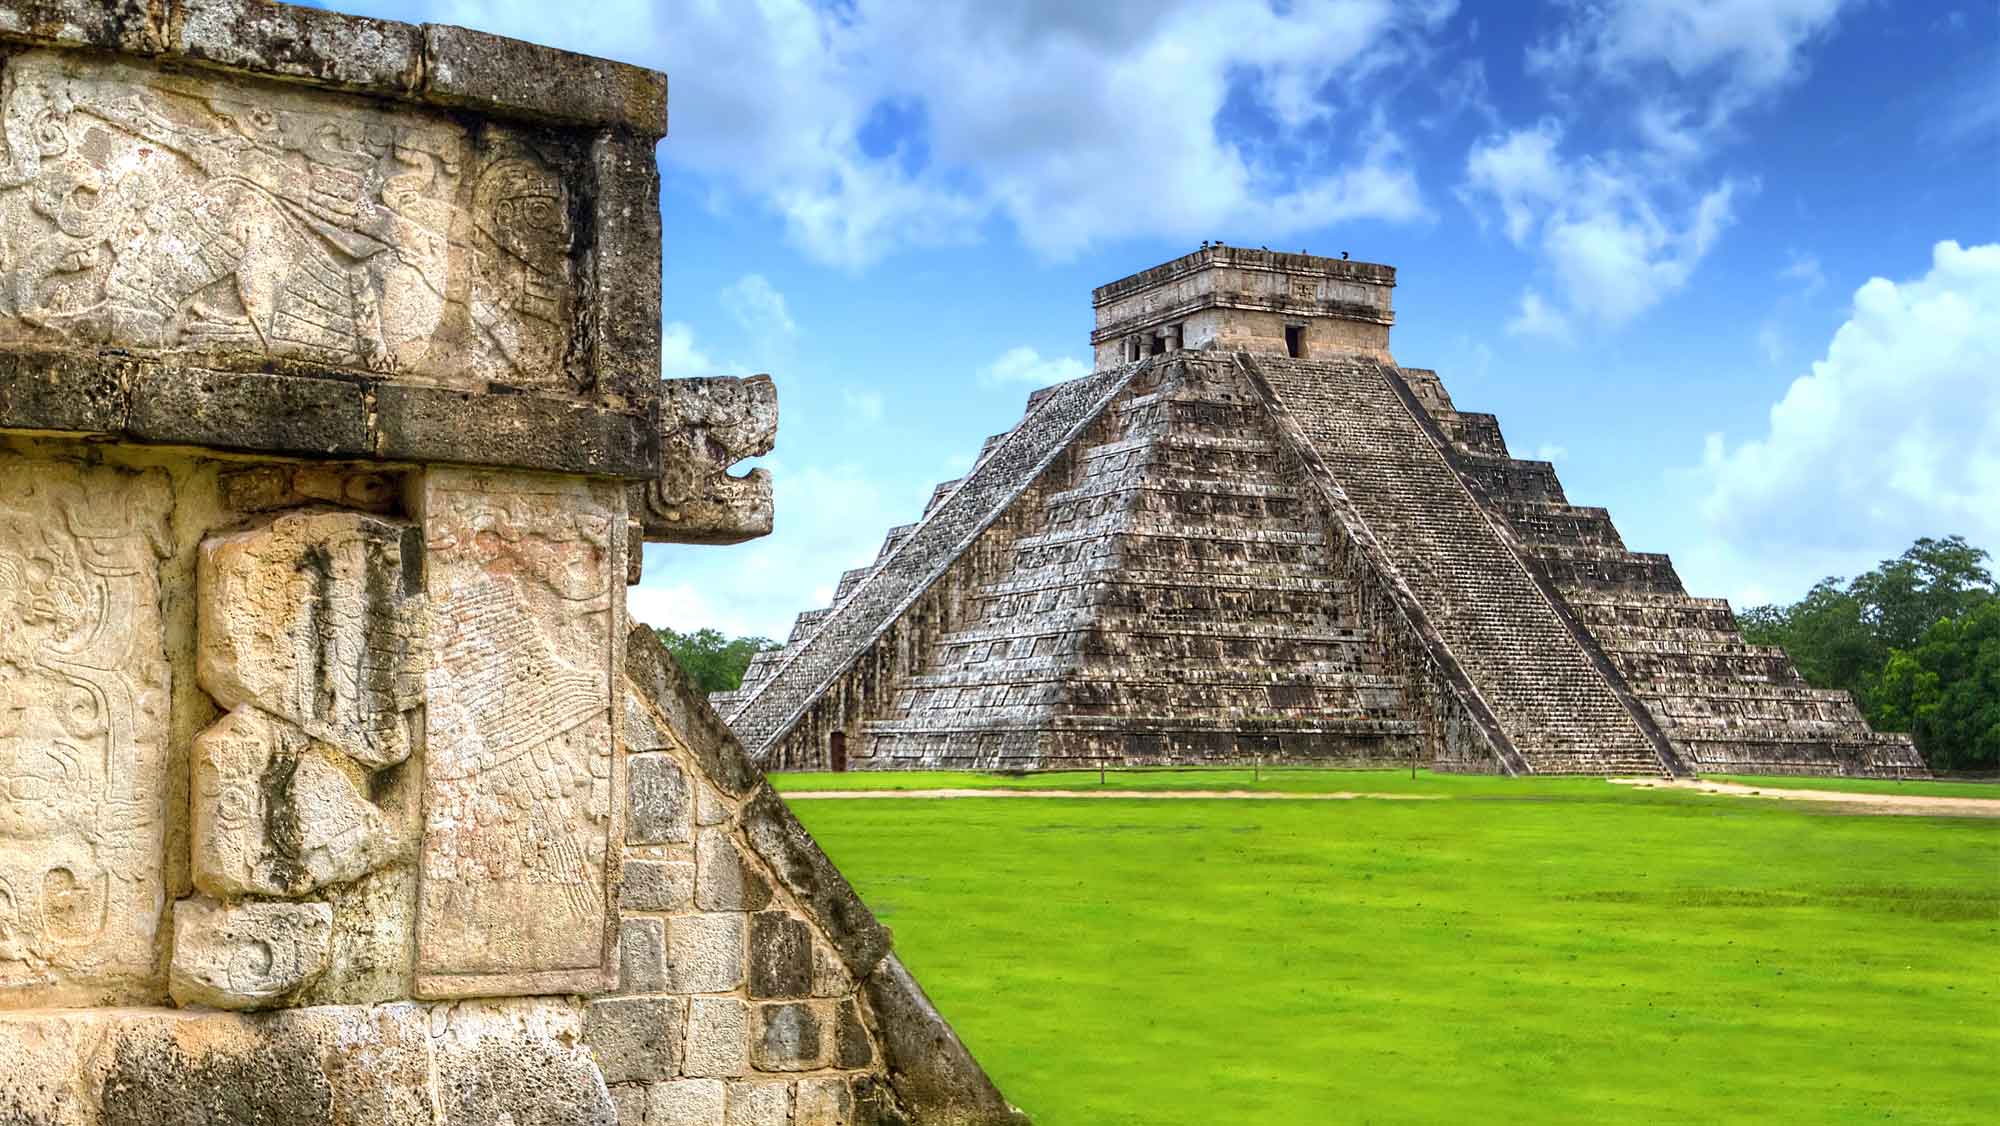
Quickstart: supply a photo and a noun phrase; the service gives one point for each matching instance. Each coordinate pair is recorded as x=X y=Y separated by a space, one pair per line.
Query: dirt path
x=1147 y=795
x=1909 y=805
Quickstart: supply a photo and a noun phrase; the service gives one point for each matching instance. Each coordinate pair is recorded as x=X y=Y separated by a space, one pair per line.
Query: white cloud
x=1023 y=364
x=1895 y=434
x=758 y=308
x=1697 y=63
x=1804 y=269
x=871 y=126
x=1549 y=451
x=680 y=358
x=1536 y=318
x=1604 y=226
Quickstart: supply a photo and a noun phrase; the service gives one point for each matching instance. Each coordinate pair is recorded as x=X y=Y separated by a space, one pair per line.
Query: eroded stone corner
x=707 y=426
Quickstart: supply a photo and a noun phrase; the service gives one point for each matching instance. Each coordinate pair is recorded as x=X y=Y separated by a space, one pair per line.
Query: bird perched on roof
x=1343 y=256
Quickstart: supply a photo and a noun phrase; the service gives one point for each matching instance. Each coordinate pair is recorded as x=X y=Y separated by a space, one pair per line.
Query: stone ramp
x=765 y=712
x=1534 y=671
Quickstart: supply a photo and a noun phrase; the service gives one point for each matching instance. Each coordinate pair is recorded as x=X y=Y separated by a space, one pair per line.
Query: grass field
x=1541 y=951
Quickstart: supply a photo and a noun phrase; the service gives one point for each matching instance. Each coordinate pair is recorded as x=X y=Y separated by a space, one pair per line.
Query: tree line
x=713 y=661
x=1916 y=641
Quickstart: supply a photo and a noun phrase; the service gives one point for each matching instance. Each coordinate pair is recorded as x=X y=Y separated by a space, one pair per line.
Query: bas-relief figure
x=163 y=212
x=83 y=717
x=519 y=829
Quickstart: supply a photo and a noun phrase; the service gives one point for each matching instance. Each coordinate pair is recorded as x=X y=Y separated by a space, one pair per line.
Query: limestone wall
x=335 y=787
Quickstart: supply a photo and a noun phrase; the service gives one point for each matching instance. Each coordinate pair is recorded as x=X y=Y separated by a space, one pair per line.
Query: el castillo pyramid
x=1250 y=534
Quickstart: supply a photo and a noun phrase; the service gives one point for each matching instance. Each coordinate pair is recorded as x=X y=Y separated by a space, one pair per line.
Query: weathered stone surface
x=852 y=1046
x=84 y=691
x=416 y=246
x=469 y=68
x=711 y=808
x=247 y=955
x=723 y=880
x=629 y=1101
x=625 y=268
x=635 y=1039
x=518 y=431
x=781 y=956
x=275 y=814
x=642 y=956
x=660 y=800
x=318 y=618
x=705 y=953
x=326 y=48
x=929 y=1068
x=135 y=26
x=759 y=1104
x=710 y=425
x=686 y=1102
x=523 y=816
x=718 y=1038
x=386 y=1065
x=829 y=974
x=789 y=1036
x=665 y=688
x=823 y=1102
x=797 y=861
x=657 y=885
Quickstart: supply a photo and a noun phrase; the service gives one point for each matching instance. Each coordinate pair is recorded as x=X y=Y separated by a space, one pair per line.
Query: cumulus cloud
x=1606 y=226
x=1075 y=124
x=680 y=357
x=1893 y=435
x=1023 y=364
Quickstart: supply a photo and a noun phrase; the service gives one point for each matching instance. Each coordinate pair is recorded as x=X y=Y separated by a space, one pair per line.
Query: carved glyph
x=316 y=617
x=159 y=211
x=84 y=688
x=247 y=955
x=707 y=426
x=524 y=576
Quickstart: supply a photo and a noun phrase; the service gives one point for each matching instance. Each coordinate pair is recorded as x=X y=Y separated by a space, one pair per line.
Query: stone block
x=853 y=1048
x=705 y=953
x=708 y=425
x=468 y=68
x=717 y=1038
x=555 y=435
x=686 y=1102
x=824 y=1101
x=629 y=1101
x=781 y=950
x=515 y=1061
x=656 y=885
x=133 y=26
x=759 y=1104
x=724 y=880
x=711 y=808
x=85 y=692
x=318 y=618
x=523 y=815
x=642 y=956
x=635 y=1039
x=658 y=797
x=247 y=410
x=928 y=1064
x=293 y=41
x=247 y=955
x=789 y=1036
x=830 y=977
x=625 y=269
x=276 y=814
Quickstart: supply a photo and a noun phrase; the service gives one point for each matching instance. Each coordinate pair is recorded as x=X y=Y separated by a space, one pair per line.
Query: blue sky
x=1733 y=265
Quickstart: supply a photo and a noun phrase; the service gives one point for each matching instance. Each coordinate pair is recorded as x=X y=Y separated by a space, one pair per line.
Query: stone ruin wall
x=335 y=786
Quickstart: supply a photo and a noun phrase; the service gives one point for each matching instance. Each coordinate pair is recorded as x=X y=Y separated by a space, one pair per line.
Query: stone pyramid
x=1249 y=534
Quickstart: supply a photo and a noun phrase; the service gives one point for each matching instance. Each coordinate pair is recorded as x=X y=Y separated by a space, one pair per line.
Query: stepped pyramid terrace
x=1250 y=534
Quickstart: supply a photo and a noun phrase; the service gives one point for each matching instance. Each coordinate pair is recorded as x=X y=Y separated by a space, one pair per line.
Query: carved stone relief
x=316 y=618
x=521 y=801
x=84 y=688
x=158 y=211
x=708 y=425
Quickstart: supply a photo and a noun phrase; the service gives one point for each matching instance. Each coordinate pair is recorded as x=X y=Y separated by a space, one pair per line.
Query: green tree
x=1945 y=690
x=714 y=662
x=1934 y=580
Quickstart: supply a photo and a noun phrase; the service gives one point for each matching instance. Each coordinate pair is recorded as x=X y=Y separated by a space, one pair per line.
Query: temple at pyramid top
x=1250 y=535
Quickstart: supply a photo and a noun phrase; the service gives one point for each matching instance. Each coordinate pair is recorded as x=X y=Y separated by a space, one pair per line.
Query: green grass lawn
x=1554 y=951
x=1278 y=780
